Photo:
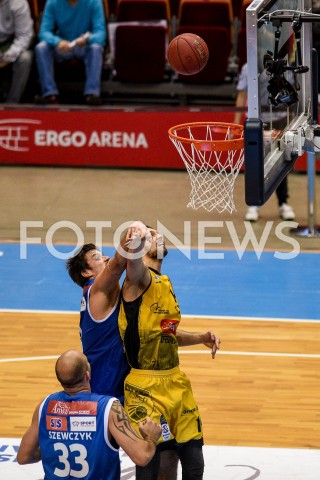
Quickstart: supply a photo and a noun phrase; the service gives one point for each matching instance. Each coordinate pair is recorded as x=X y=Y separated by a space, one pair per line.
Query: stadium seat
x=142 y=10
x=106 y=9
x=112 y=8
x=174 y=8
x=140 y=53
x=219 y=45
x=206 y=13
x=236 y=7
x=242 y=35
x=34 y=8
x=33 y=4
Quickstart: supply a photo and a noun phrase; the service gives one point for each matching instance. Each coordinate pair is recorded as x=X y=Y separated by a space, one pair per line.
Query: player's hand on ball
x=150 y=430
x=137 y=234
x=133 y=240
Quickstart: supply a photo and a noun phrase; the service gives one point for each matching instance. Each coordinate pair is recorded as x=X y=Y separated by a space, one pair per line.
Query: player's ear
x=86 y=273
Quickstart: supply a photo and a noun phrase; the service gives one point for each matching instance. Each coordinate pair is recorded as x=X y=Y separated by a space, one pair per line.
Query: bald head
x=71 y=368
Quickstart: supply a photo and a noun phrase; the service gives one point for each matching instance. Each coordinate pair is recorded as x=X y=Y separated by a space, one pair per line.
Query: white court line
x=254 y=354
x=209 y=317
x=185 y=352
x=27 y=359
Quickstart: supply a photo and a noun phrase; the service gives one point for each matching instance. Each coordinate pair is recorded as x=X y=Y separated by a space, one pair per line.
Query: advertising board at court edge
x=91 y=138
x=131 y=138
x=60 y=140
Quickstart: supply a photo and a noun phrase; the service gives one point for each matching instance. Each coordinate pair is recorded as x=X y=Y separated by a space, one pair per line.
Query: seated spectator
x=71 y=29
x=16 y=36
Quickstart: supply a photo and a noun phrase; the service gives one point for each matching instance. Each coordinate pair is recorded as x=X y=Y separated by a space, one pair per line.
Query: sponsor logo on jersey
x=56 y=423
x=169 y=326
x=186 y=411
x=168 y=339
x=137 y=391
x=72 y=408
x=156 y=308
x=83 y=304
x=60 y=408
x=83 y=424
x=165 y=428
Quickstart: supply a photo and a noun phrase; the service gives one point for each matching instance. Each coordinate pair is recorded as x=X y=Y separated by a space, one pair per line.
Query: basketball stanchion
x=213 y=154
x=311 y=230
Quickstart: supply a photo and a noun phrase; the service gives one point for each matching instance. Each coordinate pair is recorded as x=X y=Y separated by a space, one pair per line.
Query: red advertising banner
x=113 y=138
x=108 y=137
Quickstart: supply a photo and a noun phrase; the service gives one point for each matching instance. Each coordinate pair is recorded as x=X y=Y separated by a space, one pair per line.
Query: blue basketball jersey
x=102 y=345
x=73 y=437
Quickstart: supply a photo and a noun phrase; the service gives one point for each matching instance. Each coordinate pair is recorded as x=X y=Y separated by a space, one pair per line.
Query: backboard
x=279 y=44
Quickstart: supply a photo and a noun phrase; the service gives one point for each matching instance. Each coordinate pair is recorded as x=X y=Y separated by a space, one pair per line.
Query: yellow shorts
x=165 y=396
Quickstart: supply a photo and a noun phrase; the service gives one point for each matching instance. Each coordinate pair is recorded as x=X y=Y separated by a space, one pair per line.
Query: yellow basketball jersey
x=154 y=325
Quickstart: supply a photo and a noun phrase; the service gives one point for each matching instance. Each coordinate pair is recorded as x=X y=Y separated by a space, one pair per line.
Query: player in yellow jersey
x=148 y=321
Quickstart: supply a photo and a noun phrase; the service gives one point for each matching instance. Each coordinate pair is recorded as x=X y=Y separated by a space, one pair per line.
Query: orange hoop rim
x=212 y=145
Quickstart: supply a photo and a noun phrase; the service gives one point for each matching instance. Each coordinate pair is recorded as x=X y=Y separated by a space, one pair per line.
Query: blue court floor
x=224 y=285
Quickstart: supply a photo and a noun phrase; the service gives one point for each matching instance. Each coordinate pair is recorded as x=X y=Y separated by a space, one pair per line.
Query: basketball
x=187 y=54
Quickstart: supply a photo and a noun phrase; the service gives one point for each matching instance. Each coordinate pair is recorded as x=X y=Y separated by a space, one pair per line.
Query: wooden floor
x=263 y=389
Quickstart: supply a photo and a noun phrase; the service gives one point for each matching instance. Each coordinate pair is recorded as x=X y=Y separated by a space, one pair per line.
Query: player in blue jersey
x=77 y=434
x=99 y=277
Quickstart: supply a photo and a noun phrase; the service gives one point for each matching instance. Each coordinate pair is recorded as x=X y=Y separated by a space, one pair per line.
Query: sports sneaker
x=286 y=212
x=252 y=214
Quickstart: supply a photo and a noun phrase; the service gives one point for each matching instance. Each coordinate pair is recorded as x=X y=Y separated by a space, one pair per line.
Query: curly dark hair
x=75 y=265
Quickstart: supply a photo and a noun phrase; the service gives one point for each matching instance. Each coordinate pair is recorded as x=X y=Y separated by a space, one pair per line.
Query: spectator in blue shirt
x=71 y=29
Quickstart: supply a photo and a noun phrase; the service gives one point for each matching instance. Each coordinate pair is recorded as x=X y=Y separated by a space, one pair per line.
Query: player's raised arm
x=109 y=277
x=137 y=273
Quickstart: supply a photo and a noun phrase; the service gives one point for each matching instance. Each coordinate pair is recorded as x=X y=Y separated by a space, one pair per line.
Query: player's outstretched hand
x=212 y=342
x=150 y=430
x=137 y=235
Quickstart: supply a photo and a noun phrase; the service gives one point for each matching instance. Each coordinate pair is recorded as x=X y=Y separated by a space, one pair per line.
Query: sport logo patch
x=169 y=326
x=56 y=423
x=83 y=424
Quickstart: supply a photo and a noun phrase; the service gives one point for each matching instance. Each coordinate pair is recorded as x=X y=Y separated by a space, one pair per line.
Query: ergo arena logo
x=15 y=135
x=205 y=247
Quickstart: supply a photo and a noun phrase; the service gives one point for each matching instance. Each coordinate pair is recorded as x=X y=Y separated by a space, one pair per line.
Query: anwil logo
x=60 y=407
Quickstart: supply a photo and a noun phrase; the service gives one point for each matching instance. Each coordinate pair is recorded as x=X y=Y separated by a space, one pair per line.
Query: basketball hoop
x=213 y=154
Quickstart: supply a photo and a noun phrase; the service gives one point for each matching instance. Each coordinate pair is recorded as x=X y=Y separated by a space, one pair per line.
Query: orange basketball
x=187 y=53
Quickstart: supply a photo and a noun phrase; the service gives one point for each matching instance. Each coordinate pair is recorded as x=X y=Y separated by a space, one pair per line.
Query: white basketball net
x=212 y=164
